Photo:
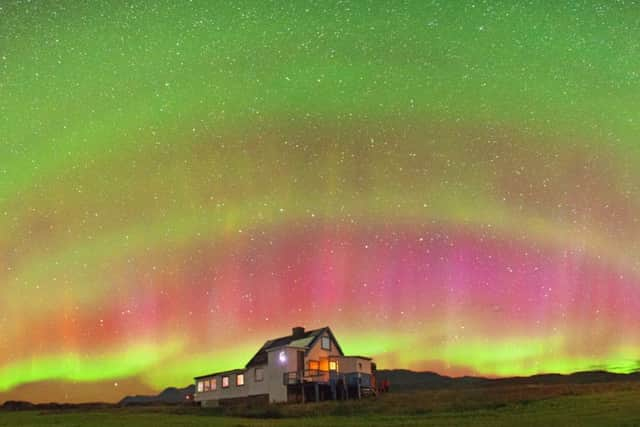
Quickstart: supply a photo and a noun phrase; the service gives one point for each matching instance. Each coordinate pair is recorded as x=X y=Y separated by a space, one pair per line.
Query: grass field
x=549 y=405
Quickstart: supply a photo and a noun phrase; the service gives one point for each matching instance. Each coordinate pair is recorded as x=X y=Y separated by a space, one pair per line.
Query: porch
x=314 y=385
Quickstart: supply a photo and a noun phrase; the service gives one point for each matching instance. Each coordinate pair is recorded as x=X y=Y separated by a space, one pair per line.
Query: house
x=303 y=366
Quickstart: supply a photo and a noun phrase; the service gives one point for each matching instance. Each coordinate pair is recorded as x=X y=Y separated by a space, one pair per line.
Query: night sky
x=450 y=187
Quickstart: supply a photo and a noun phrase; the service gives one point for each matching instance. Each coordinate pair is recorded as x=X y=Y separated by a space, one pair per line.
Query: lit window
x=207 y=385
x=324 y=364
x=240 y=379
x=214 y=384
x=282 y=357
x=259 y=374
x=200 y=386
x=326 y=343
x=314 y=365
x=225 y=382
x=333 y=365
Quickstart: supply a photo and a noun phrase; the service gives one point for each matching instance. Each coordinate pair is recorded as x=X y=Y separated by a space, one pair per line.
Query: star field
x=450 y=187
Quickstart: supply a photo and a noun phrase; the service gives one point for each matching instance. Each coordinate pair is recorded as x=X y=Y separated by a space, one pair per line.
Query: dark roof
x=261 y=357
x=232 y=371
x=359 y=357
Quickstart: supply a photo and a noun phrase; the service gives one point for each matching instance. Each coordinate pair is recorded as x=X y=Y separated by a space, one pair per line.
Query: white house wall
x=230 y=392
x=355 y=364
x=251 y=387
x=256 y=387
x=276 y=369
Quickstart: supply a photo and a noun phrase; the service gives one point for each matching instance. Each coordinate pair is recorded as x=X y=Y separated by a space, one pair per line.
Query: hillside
x=171 y=395
x=403 y=379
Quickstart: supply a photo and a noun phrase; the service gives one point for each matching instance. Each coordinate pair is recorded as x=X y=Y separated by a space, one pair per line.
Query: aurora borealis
x=450 y=186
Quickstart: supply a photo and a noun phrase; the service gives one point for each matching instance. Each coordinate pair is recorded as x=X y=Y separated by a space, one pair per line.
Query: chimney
x=297 y=332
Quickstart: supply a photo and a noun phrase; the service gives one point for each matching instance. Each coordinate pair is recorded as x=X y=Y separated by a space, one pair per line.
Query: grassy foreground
x=548 y=405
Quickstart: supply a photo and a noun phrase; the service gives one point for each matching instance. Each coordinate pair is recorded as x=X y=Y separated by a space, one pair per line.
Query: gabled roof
x=232 y=371
x=305 y=340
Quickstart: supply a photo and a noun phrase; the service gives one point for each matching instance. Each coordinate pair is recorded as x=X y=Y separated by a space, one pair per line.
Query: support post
x=317 y=391
x=345 y=389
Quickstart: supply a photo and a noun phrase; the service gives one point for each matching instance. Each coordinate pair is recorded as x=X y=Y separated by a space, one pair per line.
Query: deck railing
x=297 y=377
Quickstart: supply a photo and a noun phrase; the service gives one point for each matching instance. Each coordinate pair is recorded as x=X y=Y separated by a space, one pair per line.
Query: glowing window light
x=282 y=357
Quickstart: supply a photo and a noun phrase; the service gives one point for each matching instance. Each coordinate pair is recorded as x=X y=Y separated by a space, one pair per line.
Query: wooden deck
x=315 y=386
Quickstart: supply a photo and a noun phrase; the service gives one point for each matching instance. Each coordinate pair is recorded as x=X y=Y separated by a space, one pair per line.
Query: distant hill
x=170 y=395
x=399 y=380
x=403 y=379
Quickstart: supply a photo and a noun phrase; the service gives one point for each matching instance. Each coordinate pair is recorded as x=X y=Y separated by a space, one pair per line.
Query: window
x=225 y=382
x=333 y=365
x=314 y=365
x=200 y=386
x=259 y=374
x=207 y=385
x=324 y=364
x=240 y=379
x=326 y=343
x=214 y=384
